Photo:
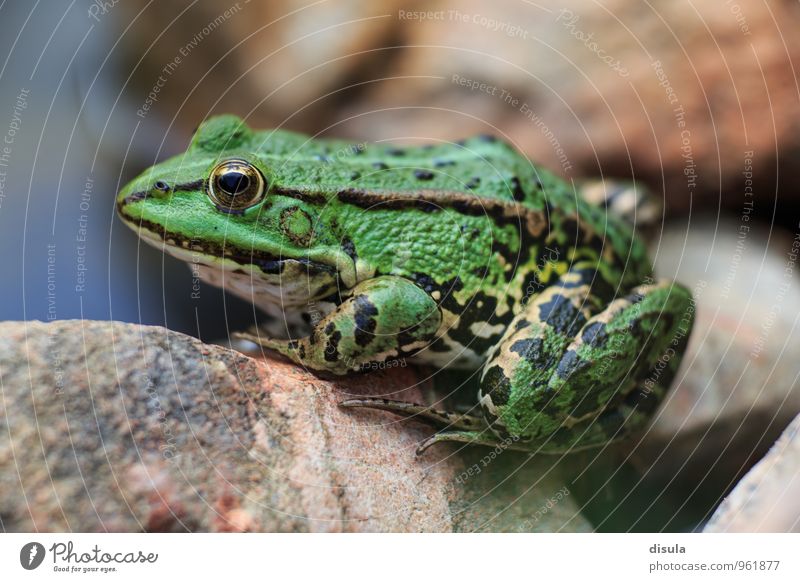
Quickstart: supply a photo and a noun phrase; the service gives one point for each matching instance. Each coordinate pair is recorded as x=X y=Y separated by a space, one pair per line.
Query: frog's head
x=230 y=205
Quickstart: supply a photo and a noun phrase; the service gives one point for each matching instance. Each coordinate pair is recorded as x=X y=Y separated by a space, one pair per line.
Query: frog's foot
x=629 y=200
x=470 y=437
x=287 y=348
x=385 y=317
x=452 y=420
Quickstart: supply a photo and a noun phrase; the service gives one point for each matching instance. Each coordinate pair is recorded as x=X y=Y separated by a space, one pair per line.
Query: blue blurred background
x=75 y=138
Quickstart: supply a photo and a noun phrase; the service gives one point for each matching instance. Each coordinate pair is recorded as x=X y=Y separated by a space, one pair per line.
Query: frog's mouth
x=291 y=280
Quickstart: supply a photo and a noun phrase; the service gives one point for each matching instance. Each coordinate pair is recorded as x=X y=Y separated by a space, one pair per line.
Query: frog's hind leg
x=564 y=388
x=566 y=305
x=463 y=428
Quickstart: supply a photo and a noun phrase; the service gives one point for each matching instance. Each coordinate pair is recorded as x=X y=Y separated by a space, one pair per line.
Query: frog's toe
x=470 y=437
x=427 y=414
x=260 y=340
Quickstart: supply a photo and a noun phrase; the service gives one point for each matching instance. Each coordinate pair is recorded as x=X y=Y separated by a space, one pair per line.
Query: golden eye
x=236 y=185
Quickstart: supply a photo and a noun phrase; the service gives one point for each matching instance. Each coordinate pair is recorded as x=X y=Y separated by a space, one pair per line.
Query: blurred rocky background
x=615 y=89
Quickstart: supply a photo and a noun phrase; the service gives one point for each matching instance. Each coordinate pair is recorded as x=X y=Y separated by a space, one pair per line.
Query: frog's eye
x=236 y=185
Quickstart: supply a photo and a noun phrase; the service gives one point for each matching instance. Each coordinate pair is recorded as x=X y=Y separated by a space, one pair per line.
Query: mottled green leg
x=630 y=200
x=561 y=391
x=562 y=382
x=386 y=317
x=465 y=428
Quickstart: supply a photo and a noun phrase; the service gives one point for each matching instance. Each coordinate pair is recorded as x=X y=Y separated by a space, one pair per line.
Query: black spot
x=355 y=175
x=571 y=229
x=589 y=276
x=423 y=174
x=357 y=149
x=411 y=336
x=443 y=163
x=473 y=183
x=379 y=166
x=481 y=272
x=585 y=277
x=569 y=364
x=521 y=324
x=486 y=138
x=469 y=231
x=349 y=248
x=397 y=152
x=497 y=386
x=562 y=315
x=269 y=267
x=439 y=346
x=595 y=334
x=364 y=314
x=516 y=189
x=302 y=351
x=332 y=345
x=534 y=351
x=481 y=308
x=634 y=298
x=427 y=283
x=531 y=286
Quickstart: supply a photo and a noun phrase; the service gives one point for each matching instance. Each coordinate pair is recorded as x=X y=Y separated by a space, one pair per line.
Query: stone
x=767 y=499
x=120 y=427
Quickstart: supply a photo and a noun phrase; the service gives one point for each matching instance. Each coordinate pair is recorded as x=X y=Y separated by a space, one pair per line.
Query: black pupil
x=233 y=182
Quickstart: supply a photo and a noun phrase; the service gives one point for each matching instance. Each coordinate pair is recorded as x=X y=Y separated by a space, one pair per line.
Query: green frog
x=459 y=255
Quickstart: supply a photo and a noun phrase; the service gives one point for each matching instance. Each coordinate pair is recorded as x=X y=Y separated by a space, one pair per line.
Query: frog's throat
x=337 y=264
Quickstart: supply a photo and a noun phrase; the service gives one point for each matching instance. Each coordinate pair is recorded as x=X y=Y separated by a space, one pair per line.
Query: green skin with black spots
x=464 y=255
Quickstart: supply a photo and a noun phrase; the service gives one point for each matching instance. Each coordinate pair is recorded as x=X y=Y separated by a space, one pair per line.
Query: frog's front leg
x=385 y=317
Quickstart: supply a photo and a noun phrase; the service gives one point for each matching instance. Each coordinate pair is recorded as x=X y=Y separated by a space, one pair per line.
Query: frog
x=459 y=255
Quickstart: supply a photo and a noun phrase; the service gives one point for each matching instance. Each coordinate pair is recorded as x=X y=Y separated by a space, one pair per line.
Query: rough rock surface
x=119 y=427
x=768 y=498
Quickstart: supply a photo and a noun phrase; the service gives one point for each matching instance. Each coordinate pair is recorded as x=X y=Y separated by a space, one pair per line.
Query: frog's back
x=482 y=166
x=481 y=174
x=481 y=171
